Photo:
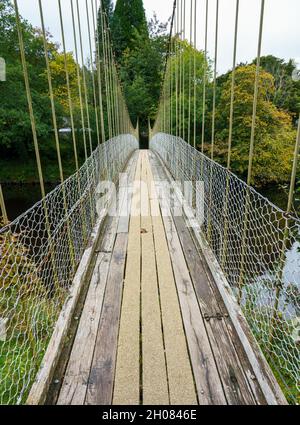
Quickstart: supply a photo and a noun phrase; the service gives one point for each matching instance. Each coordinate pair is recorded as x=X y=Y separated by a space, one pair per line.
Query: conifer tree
x=128 y=23
x=108 y=7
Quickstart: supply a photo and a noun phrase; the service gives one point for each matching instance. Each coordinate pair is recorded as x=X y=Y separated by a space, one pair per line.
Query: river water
x=19 y=198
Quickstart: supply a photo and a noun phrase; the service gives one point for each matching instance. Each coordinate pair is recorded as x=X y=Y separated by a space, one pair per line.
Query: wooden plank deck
x=143 y=336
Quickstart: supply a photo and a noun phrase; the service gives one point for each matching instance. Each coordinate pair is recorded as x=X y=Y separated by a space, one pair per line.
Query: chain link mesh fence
x=39 y=254
x=258 y=247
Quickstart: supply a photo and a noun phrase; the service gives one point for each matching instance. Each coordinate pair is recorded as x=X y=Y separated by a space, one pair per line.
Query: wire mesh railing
x=39 y=254
x=258 y=248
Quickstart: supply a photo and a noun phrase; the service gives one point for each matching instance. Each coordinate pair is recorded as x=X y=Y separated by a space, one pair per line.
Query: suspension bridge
x=168 y=286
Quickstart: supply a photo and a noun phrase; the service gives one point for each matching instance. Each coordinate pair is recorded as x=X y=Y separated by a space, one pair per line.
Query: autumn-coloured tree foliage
x=191 y=95
x=274 y=133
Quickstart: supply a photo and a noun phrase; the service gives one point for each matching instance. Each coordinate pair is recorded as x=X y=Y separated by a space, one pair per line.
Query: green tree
x=58 y=74
x=108 y=7
x=16 y=142
x=188 y=98
x=141 y=70
x=129 y=24
x=274 y=134
x=286 y=93
x=15 y=127
x=140 y=50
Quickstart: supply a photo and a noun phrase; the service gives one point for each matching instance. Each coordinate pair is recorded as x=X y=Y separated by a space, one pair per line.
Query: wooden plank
x=145 y=202
x=123 y=226
x=101 y=379
x=232 y=336
x=243 y=359
x=127 y=380
x=74 y=386
x=154 y=375
x=180 y=379
x=128 y=357
x=136 y=195
x=262 y=372
x=235 y=369
x=235 y=383
x=208 y=383
x=39 y=390
x=209 y=386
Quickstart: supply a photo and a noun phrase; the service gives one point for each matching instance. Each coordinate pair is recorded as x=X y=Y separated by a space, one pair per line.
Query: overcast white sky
x=281 y=30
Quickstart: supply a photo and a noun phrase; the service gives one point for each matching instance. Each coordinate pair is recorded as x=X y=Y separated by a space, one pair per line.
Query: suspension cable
x=84 y=79
x=35 y=140
x=56 y=135
x=68 y=86
x=97 y=41
x=215 y=83
x=195 y=72
x=92 y=70
x=190 y=73
x=29 y=100
x=83 y=127
x=233 y=85
x=256 y=87
x=3 y=207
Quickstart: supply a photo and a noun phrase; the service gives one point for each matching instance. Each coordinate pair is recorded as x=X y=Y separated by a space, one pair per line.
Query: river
x=19 y=198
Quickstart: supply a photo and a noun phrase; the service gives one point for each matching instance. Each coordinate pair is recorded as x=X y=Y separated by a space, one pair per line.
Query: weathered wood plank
x=101 y=379
x=244 y=361
x=208 y=383
x=74 y=386
x=235 y=369
x=180 y=379
x=39 y=390
x=209 y=386
x=127 y=379
x=262 y=372
x=235 y=383
x=124 y=220
x=231 y=334
x=154 y=374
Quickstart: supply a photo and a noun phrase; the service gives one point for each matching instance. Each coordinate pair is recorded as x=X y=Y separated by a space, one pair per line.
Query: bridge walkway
x=154 y=328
